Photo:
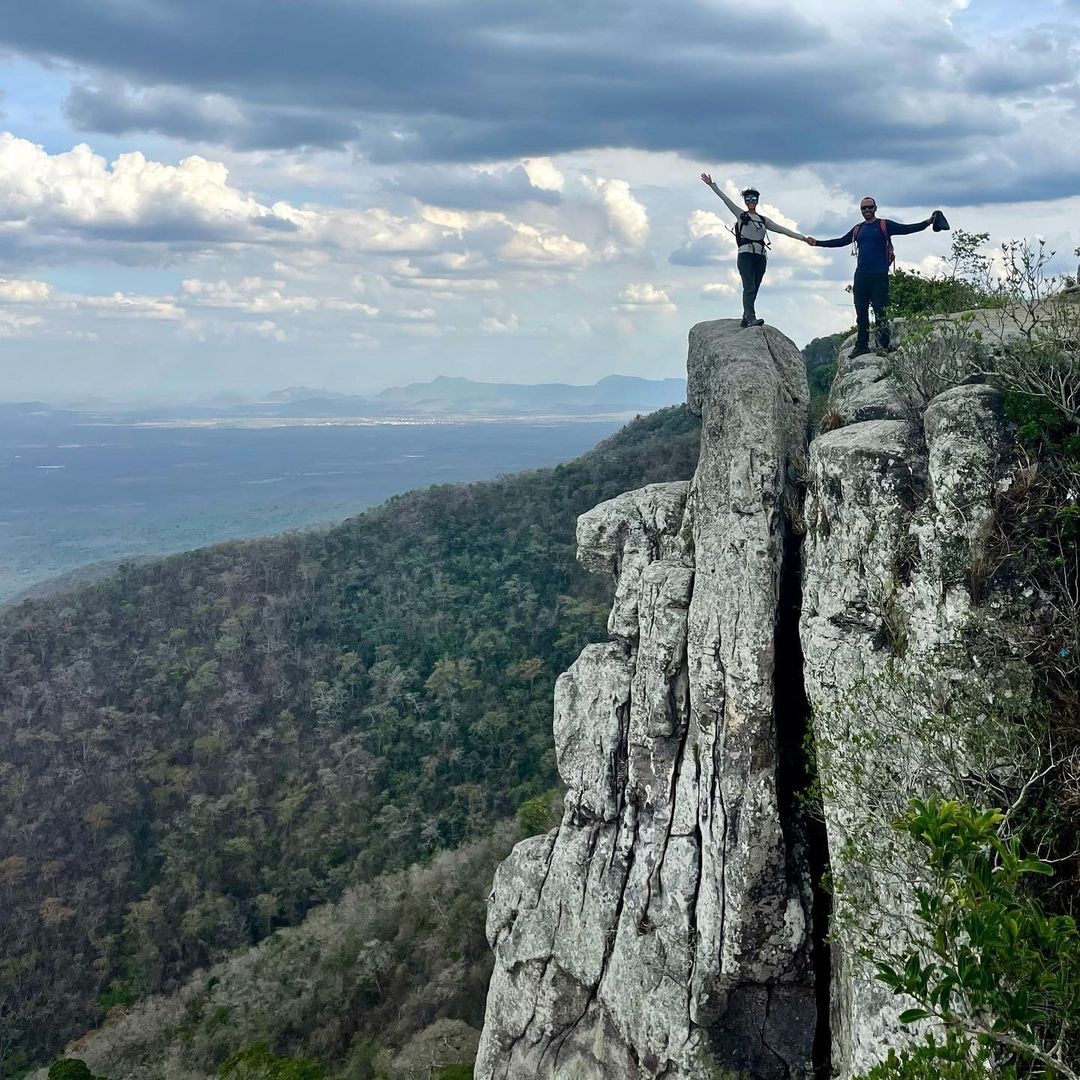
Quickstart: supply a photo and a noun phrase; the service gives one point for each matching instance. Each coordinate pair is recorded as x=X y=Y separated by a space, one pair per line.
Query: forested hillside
x=195 y=752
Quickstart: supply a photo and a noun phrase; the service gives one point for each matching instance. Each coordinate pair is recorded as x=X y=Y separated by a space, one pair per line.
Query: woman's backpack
x=744 y=219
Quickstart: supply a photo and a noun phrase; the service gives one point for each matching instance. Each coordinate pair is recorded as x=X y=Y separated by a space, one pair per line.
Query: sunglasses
x=750 y=198
x=869 y=206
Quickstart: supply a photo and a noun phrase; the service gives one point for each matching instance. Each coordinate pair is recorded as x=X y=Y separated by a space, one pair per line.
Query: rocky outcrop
x=663 y=928
x=900 y=637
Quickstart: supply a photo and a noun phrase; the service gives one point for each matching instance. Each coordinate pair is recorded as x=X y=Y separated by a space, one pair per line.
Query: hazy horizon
x=254 y=396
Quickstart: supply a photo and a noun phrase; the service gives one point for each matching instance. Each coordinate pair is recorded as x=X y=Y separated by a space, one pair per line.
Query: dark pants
x=751 y=270
x=871 y=288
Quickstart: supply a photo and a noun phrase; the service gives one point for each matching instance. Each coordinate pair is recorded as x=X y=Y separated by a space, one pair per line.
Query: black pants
x=871 y=288
x=751 y=270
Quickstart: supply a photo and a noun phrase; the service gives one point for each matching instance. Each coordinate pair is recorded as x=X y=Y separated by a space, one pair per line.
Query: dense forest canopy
x=195 y=752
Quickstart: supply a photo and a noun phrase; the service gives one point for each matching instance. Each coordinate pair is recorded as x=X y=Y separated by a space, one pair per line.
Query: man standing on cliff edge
x=872 y=237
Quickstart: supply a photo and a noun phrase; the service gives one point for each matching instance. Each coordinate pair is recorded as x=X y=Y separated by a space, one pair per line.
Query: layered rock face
x=664 y=928
x=897 y=626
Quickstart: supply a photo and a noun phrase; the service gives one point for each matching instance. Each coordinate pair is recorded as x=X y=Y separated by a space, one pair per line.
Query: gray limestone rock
x=622 y=536
x=894 y=629
x=662 y=930
x=861 y=389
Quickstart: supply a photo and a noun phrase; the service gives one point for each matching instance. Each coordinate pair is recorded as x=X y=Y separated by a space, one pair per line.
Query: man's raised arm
x=896 y=229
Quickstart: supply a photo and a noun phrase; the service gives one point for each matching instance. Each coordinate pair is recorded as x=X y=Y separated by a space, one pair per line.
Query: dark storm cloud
x=114 y=109
x=472 y=80
x=1036 y=62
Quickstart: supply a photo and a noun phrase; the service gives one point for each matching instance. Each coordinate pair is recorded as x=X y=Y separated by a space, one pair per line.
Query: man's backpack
x=889 y=253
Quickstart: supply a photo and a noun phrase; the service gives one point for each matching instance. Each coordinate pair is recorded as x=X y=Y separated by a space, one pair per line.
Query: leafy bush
x=259 y=1062
x=985 y=960
x=537 y=814
x=71 y=1069
x=965 y=285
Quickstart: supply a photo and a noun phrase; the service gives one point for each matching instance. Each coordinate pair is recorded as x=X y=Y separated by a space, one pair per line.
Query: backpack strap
x=889 y=253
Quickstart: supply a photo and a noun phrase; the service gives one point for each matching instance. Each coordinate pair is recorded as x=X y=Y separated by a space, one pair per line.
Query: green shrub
x=536 y=815
x=259 y=1062
x=71 y=1069
x=999 y=974
x=455 y=1072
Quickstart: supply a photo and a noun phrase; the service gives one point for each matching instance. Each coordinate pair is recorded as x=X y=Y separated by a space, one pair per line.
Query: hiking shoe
x=757 y=322
x=745 y=322
x=860 y=350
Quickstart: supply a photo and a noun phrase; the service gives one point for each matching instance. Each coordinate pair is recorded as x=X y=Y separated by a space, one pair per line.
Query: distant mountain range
x=447 y=396
x=444 y=397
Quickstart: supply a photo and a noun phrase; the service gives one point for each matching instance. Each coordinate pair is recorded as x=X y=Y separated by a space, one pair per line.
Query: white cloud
x=644 y=296
x=129 y=305
x=719 y=288
x=256 y=295
x=529 y=245
x=626 y=217
x=77 y=189
x=543 y=174
x=15 y=291
x=13 y=325
x=492 y=324
x=709 y=241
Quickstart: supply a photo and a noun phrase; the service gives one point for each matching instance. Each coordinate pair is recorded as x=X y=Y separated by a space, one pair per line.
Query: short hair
x=865 y=197
x=750 y=191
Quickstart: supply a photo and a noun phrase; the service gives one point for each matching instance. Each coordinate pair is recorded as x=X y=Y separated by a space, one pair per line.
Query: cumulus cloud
x=76 y=205
x=14 y=291
x=626 y=217
x=528 y=245
x=722 y=288
x=76 y=194
x=257 y=296
x=493 y=324
x=28 y=306
x=544 y=173
x=709 y=241
x=644 y=296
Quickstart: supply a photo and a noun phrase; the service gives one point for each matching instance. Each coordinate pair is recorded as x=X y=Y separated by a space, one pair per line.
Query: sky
x=203 y=197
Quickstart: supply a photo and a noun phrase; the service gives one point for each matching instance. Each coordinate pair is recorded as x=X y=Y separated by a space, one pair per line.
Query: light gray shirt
x=753 y=232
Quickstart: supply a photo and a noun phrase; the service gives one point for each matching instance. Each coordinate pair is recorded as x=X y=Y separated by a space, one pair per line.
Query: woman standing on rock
x=751 y=230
